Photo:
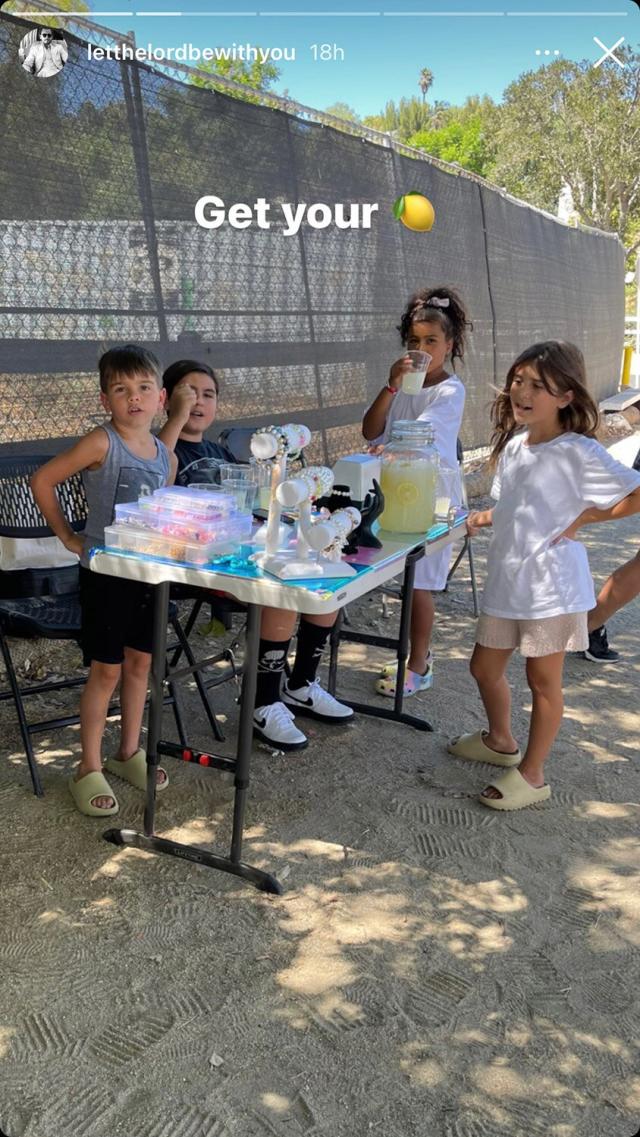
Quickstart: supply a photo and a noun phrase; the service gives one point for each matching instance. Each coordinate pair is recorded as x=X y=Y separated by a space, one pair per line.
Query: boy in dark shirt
x=192 y=396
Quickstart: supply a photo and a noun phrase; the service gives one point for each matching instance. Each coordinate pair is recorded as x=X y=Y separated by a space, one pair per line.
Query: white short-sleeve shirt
x=442 y=405
x=540 y=491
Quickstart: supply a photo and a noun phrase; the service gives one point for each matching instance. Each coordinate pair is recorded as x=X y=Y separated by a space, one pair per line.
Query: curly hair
x=441 y=305
x=561 y=368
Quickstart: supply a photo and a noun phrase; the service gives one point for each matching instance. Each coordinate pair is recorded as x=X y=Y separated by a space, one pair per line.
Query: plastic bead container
x=203 y=531
x=188 y=502
x=231 y=533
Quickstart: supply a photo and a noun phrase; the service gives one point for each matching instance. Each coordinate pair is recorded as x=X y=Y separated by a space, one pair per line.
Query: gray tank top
x=122 y=477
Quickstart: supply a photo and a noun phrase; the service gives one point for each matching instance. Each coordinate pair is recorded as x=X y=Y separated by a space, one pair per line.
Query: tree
x=463 y=135
x=260 y=76
x=425 y=82
x=343 y=110
x=579 y=125
x=404 y=119
x=15 y=7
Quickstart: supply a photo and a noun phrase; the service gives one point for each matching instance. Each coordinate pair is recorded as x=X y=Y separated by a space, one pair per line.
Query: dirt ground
x=432 y=969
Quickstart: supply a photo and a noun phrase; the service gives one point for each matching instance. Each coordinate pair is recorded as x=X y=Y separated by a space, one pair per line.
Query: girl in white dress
x=552 y=478
x=433 y=321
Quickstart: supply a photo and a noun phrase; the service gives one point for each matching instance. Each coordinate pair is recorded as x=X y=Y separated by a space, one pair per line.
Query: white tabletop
x=248 y=583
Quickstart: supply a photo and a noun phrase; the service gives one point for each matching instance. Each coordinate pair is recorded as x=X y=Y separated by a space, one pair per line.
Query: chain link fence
x=100 y=170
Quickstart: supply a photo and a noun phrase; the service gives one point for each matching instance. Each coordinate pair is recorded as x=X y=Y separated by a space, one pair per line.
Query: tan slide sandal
x=516 y=792
x=134 y=771
x=87 y=789
x=472 y=747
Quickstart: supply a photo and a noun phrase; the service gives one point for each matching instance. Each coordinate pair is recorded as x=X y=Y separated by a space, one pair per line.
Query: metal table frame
x=257 y=592
x=401 y=645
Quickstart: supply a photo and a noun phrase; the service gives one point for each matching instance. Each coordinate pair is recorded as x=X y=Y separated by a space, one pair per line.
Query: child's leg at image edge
x=619 y=589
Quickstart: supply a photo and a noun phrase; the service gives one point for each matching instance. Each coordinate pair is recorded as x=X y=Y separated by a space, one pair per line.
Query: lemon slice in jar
x=406 y=493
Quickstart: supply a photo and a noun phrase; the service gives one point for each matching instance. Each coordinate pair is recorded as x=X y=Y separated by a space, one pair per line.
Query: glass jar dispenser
x=408 y=478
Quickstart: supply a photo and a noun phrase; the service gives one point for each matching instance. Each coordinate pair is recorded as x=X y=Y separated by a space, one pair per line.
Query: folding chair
x=43 y=602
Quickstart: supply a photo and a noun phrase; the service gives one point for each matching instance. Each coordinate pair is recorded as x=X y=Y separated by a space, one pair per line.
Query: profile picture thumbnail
x=43 y=52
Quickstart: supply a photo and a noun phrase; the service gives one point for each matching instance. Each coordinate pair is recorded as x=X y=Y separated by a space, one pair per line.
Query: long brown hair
x=442 y=306
x=561 y=368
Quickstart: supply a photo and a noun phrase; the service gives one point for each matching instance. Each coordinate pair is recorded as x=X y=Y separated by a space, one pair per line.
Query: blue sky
x=383 y=54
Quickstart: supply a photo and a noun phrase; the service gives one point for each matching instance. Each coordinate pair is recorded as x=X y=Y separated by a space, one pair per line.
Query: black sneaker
x=599 y=650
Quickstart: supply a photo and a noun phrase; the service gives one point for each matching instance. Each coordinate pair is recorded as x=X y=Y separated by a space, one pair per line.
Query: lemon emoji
x=415 y=211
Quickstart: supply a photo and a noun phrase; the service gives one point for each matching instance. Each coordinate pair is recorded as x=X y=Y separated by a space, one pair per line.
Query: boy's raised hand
x=183 y=400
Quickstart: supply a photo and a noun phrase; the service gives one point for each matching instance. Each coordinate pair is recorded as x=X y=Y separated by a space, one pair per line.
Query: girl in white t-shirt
x=552 y=478
x=434 y=321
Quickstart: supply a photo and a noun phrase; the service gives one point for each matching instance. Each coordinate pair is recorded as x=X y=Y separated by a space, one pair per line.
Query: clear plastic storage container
x=154 y=543
x=189 y=502
x=202 y=530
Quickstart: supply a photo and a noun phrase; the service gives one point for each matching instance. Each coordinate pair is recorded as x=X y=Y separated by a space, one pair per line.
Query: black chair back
x=237 y=440
x=19 y=514
x=20 y=518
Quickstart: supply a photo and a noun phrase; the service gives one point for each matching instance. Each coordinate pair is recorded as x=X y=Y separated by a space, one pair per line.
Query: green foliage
x=577 y=125
x=465 y=136
x=255 y=74
x=403 y=119
x=343 y=110
x=15 y=7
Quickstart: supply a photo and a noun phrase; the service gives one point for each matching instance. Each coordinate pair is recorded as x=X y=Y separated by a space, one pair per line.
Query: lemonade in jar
x=408 y=478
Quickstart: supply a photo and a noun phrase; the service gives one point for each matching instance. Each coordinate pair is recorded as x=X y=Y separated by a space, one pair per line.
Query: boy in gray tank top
x=118 y=462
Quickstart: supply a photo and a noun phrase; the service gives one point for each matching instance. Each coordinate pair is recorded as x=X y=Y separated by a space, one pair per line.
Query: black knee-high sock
x=272 y=655
x=312 y=639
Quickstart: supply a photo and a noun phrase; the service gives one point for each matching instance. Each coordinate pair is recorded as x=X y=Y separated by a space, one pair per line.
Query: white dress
x=442 y=405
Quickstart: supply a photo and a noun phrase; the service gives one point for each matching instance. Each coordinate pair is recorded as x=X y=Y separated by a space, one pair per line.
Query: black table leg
x=264 y=881
x=402 y=651
x=245 y=732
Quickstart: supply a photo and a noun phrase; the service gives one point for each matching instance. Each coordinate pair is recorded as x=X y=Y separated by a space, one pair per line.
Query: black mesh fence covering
x=100 y=170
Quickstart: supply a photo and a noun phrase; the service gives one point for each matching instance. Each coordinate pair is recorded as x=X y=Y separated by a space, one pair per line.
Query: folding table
x=243 y=580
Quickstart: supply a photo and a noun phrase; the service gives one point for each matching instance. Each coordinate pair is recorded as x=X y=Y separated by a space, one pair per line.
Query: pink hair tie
x=438 y=302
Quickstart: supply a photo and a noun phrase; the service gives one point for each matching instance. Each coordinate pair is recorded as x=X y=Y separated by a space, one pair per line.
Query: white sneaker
x=274 y=725
x=314 y=701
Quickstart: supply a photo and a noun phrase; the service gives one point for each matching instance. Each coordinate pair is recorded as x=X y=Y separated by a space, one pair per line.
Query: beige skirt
x=534 y=637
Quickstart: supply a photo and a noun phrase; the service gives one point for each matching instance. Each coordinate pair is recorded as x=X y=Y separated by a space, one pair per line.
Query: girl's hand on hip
x=475 y=522
x=74 y=544
x=569 y=534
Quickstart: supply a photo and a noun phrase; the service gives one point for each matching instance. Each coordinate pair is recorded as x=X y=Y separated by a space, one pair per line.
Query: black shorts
x=116 y=614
